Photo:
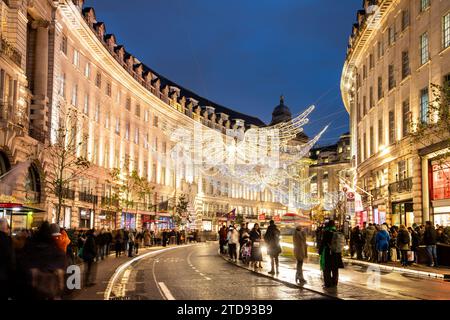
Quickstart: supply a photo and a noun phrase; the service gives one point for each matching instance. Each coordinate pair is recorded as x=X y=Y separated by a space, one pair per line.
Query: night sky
x=243 y=54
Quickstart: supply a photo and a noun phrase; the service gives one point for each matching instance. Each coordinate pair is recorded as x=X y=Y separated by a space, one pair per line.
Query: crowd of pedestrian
x=33 y=263
x=383 y=243
x=244 y=244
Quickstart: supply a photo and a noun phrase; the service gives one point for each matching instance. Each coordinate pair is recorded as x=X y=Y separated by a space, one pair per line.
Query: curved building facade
x=56 y=57
x=397 y=51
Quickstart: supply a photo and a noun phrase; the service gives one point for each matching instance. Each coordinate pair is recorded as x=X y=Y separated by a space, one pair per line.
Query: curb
x=417 y=273
x=306 y=287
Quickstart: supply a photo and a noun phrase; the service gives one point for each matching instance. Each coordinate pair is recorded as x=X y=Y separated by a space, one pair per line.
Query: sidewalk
x=357 y=283
x=414 y=270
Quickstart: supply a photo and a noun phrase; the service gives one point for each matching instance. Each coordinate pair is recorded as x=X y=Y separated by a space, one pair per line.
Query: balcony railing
x=68 y=194
x=377 y=193
x=401 y=186
x=109 y=202
x=88 y=197
x=8 y=50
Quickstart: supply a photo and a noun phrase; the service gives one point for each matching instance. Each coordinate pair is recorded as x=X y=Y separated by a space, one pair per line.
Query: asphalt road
x=198 y=273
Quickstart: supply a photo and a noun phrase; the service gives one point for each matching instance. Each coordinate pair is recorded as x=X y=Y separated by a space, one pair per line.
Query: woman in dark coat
x=272 y=240
x=255 y=237
x=89 y=254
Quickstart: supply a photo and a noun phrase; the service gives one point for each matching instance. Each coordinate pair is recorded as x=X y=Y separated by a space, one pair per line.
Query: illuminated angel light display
x=261 y=158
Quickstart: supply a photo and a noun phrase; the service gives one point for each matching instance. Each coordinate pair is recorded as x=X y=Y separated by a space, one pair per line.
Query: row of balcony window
x=401 y=186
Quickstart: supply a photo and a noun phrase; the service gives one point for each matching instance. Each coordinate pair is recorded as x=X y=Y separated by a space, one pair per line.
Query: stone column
x=41 y=60
x=425 y=193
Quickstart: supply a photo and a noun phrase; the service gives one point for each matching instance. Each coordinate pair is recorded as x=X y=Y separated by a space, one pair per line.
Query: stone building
x=397 y=50
x=56 y=56
x=329 y=173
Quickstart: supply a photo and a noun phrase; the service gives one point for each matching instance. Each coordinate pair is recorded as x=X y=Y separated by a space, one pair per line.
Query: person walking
x=415 y=242
x=60 y=237
x=403 y=244
x=330 y=258
x=131 y=241
x=382 y=244
x=256 y=254
x=369 y=250
x=222 y=239
x=233 y=240
x=300 y=252
x=272 y=240
x=89 y=255
x=6 y=261
x=118 y=243
x=243 y=230
x=356 y=243
x=430 y=240
x=40 y=268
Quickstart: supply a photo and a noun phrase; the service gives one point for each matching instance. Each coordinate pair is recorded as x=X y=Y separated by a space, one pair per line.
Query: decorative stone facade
x=56 y=56
x=397 y=49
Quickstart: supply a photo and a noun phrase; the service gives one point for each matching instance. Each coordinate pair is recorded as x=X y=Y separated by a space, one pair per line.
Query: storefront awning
x=18 y=208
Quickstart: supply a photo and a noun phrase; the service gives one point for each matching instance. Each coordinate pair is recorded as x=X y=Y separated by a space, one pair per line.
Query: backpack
x=337 y=242
x=47 y=285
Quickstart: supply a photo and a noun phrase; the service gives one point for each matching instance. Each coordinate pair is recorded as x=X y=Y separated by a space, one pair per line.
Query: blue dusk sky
x=243 y=54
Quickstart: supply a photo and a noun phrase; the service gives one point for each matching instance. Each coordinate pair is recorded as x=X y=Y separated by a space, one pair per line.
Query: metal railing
x=87 y=197
x=68 y=193
x=110 y=202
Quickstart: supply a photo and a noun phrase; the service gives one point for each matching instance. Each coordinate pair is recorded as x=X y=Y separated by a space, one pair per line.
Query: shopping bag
x=410 y=255
x=394 y=255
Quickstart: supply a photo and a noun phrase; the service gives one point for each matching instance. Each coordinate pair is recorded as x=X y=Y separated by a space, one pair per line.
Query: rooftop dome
x=281 y=113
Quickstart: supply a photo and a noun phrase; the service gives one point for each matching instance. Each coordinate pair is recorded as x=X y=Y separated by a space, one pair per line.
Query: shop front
x=19 y=217
x=402 y=213
x=107 y=219
x=440 y=192
x=128 y=221
x=379 y=214
x=86 y=219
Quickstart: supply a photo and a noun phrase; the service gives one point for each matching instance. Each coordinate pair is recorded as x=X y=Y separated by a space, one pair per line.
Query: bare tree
x=180 y=209
x=65 y=158
x=433 y=127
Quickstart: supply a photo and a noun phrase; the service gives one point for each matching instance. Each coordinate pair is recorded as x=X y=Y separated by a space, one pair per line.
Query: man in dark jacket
x=272 y=239
x=6 y=261
x=89 y=254
x=430 y=240
x=40 y=268
x=330 y=261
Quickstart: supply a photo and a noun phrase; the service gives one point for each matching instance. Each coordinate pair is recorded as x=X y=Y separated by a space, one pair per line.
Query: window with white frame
x=76 y=58
x=424 y=5
x=97 y=112
x=87 y=70
x=424 y=104
x=86 y=104
x=74 y=100
x=424 y=50
x=446 y=30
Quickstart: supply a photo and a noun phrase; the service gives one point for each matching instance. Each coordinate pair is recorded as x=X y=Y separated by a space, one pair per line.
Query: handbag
x=410 y=255
x=394 y=255
x=80 y=252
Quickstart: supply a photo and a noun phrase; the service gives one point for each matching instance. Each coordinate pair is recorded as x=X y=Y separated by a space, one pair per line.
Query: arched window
x=5 y=165
x=33 y=185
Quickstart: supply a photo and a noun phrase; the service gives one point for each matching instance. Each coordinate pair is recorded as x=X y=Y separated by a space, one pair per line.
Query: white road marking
x=121 y=268
x=168 y=295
